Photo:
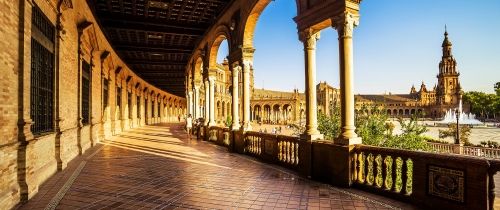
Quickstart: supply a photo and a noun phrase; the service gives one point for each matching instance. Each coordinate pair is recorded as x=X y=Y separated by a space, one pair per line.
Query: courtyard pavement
x=157 y=167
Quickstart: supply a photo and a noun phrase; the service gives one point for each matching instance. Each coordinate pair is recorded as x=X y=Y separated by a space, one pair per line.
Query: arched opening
x=287 y=109
x=257 y=113
x=267 y=114
x=198 y=88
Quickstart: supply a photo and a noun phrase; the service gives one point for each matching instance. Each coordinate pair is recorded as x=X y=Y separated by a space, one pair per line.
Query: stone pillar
x=246 y=96
x=190 y=103
x=236 y=117
x=211 y=81
x=196 y=102
x=309 y=38
x=207 y=102
x=345 y=24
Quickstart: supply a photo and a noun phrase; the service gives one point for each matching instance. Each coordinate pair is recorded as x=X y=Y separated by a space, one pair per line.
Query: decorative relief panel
x=446 y=183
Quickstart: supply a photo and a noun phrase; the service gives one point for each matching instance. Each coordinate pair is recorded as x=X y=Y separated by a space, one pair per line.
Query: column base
x=247 y=126
x=311 y=137
x=342 y=140
x=235 y=127
x=210 y=124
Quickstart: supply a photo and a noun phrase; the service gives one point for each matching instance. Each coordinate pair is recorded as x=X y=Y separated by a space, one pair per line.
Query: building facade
x=432 y=103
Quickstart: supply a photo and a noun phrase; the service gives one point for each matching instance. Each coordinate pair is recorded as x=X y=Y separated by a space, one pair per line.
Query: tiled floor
x=156 y=167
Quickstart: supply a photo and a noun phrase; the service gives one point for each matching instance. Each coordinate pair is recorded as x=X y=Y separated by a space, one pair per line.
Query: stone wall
x=27 y=160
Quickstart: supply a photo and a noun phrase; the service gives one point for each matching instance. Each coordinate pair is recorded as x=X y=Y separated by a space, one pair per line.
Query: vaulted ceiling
x=156 y=37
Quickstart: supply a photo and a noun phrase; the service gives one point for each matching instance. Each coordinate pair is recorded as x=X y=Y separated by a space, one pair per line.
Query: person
x=179 y=118
x=189 y=125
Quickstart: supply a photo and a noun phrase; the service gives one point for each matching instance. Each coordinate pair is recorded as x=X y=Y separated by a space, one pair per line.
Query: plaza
x=96 y=94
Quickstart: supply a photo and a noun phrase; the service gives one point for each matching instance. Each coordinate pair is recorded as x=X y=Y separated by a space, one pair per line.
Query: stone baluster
x=394 y=170
x=404 y=175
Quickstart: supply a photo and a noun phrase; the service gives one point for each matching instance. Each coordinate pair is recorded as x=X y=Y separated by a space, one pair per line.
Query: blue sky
x=397 y=44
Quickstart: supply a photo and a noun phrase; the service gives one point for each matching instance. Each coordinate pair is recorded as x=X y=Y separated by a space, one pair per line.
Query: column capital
x=309 y=37
x=236 y=69
x=247 y=64
x=345 y=23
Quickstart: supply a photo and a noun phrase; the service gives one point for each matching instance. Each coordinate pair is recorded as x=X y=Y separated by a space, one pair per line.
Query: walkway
x=156 y=167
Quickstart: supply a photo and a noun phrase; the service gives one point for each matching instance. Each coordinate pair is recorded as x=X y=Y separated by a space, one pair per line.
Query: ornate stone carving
x=446 y=183
x=309 y=38
x=345 y=24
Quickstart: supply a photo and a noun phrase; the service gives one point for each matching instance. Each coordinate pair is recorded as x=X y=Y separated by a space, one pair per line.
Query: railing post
x=458 y=148
x=491 y=189
x=305 y=158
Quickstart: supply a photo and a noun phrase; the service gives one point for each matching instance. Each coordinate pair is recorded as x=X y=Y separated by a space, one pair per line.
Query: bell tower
x=448 y=88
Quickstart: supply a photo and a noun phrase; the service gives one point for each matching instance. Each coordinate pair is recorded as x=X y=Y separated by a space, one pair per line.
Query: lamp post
x=457 y=115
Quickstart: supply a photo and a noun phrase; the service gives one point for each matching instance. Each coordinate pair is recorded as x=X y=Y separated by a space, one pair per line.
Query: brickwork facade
x=28 y=159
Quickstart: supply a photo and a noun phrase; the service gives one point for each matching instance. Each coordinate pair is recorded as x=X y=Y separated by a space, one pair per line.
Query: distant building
x=430 y=102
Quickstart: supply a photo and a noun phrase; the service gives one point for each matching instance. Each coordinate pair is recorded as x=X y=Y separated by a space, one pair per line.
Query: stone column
x=309 y=38
x=190 y=103
x=236 y=117
x=196 y=103
x=345 y=24
x=207 y=102
x=246 y=96
x=211 y=81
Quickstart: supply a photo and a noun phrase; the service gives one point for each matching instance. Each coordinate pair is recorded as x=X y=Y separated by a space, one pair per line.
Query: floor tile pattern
x=157 y=167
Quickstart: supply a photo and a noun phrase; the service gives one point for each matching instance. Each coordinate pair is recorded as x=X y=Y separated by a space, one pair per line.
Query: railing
x=288 y=150
x=253 y=143
x=383 y=169
x=428 y=179
x=280 y=149
x=442 y=148
x=219 y=135
x=465 y=150
x=440 y=180
x=481 y=152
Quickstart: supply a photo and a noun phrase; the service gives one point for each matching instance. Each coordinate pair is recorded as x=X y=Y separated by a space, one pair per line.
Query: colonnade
x=241 y=61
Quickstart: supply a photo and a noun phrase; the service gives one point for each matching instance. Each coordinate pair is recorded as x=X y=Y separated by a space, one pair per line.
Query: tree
x=452 y=132
x=229 y=121
x=329 y=126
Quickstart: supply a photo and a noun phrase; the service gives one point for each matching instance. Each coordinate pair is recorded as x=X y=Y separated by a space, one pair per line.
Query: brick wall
x=36 y=158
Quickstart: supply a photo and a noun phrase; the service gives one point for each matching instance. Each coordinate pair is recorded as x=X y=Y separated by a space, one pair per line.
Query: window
x=105 y=95
x=85 y=93
x=118 y=102
x=42 y=73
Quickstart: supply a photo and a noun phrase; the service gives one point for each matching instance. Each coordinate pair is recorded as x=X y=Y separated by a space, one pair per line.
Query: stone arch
x=251 y=22
x=223 y=113
x=217 y=111
x=407 y=112
x=401 y=112
x=198 y=71
x=389 y=112
x=222 y=33
x=287 y=110
x=257 y=112
x=267 y=113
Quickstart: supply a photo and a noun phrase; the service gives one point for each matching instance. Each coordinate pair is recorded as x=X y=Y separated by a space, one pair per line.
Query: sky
x=396 y=45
